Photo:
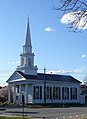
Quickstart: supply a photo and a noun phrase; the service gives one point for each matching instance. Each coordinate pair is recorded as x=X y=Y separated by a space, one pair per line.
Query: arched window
x=22 y=61
x=29 y=62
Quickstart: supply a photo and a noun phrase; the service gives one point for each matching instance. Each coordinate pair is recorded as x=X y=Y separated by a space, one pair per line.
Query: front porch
x=20 y=92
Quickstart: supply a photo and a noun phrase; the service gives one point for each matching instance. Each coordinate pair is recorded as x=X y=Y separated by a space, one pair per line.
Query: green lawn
x=2 y=117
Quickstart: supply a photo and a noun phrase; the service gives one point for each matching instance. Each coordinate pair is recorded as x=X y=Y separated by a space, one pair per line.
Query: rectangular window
x=23 y=88
x=29 y=62
x=50 y=93
x=34 y=92
x=57 y=93
x=17 y=89
x=73 y=93
x=22 y=61
x=37 y=91
x=54 y=93
x=40 y=92
x=65 y=93
x=16 y=97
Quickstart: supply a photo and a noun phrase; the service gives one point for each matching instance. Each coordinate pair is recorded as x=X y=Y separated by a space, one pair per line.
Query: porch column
x=9 y=94
x=14 y=94
x=26 y=94
x=42 y=93
x=78 y=94
x=61 y=93
x=20 y=93
x=69 y=93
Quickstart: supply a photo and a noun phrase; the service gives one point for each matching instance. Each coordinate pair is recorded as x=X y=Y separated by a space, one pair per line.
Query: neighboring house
x=84 y=93
x=84 y=89
x=36 y=87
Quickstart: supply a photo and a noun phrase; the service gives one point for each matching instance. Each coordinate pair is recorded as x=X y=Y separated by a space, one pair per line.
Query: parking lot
x=47 y=113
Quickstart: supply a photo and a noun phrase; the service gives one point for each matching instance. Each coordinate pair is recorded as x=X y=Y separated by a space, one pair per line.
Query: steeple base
x=28 y=70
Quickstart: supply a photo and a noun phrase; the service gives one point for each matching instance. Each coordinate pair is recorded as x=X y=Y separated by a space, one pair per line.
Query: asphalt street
x=47 y=113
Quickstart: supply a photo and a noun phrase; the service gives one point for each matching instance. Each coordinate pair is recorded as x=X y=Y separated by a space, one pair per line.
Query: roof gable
x=15 y=76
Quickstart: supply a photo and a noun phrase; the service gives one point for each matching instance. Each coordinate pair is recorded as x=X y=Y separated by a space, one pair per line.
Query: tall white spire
x=27 y=57
x=27 y=48
x=28 y=37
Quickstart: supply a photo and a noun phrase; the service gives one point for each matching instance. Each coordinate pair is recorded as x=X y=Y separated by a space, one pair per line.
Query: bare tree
x=85 y=80
x=4 y=94
x=77 y=8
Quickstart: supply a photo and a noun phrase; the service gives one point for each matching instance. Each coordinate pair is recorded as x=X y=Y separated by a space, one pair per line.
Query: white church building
x=40 y=88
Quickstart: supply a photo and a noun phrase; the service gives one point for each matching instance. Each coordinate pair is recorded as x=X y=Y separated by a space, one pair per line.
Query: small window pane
x=51 y=93
x=65 y=93
x=73 y=93
x=29 y=62
x=37 y=91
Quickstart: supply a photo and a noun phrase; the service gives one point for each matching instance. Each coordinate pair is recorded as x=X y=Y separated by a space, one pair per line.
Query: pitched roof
x=50 y=77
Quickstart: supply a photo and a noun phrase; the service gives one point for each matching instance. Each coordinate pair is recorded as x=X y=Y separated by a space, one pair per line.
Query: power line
x=6 y=71
x=4 y=76
x=55 y=71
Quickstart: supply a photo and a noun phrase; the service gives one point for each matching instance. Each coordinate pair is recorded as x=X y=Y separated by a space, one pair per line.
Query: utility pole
x=23 y=101
x=44 y=86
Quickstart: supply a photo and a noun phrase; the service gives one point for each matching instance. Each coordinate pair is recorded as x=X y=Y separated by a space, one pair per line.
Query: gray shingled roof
x=50 y=77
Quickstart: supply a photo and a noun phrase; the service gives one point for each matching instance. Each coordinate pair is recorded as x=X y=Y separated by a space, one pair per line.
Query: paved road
x=49 y=113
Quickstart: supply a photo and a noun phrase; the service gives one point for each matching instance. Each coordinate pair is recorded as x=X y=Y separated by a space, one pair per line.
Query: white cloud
x=49 y=29
x=76 y=70
x=13 y=62
x=9 y=62
x=17 y=62
x=57 y=71
x=64 y=71
x=70 y=17
x=83 y=56
x=67 y=18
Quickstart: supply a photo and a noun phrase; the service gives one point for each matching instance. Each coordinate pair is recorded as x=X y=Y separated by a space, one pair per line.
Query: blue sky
x=55 y=48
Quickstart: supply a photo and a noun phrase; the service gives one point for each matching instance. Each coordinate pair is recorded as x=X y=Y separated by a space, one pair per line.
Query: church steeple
x=28 y=37
x=27 y=57
x=27 y=48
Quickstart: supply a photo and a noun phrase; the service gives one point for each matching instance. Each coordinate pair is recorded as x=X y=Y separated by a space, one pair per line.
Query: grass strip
x=3 y=117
